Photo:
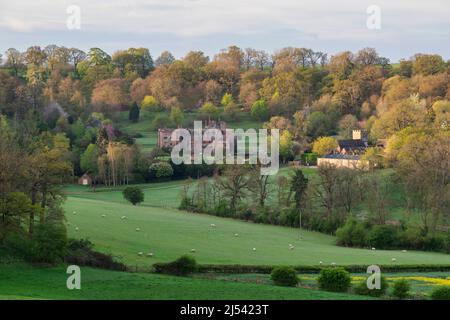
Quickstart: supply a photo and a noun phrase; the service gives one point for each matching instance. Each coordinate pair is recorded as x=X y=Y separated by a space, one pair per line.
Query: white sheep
x=291 y=248
x=150 y=254
x=213 y=225
x=254 y=249
x=123 y=217
x=76 y=229
x=393 y=260
x=193 y=250
x=138 y=229
x=333 y=264
x=140 y=253
x=373 y=248
x=236 y=235
x=103 y=215
x=403 y=250
x=320 y=262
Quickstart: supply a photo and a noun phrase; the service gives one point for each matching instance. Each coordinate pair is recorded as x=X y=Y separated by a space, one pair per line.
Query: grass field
x=169 y=233
x=24 y=282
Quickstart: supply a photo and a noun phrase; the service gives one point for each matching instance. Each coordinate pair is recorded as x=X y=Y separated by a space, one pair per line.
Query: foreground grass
x=170 y=233
x=24 y=282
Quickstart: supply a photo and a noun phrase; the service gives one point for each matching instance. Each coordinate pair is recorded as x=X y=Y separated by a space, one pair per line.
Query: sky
x=406 y=27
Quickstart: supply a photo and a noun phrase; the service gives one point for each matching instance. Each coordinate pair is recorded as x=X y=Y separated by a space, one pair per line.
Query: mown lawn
x=25 y=282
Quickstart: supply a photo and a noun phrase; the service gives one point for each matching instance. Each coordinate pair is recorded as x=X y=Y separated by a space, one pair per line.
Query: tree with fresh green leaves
x=134 y=195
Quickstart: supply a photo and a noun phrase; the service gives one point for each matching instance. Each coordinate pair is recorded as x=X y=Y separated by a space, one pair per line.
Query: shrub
x=49 y=243
x=441 y=293
x=353 y=233
x=401 y=289
x=161 y=170
x=284 y=276
x=334 y=279
x=184 y=265
x=383 y=237
x=133 y=195
x=362 y=288
x=80 y=252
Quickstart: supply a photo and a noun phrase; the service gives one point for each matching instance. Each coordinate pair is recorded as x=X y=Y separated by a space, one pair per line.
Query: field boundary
x=267 y=269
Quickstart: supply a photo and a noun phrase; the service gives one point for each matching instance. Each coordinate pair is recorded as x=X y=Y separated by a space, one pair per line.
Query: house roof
x=341 y=156
x=351 y=144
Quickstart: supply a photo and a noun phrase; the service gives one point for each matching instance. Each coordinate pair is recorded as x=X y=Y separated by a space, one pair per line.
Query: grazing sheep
x=150 y=254
x=213 y=225
x=236 y=235
x=393 y=260
x=123 y=217
x=373 y=248
x=403 y=250
x=138 y=229
x=291 y=248
x=320 y=262
x=74 y=212
x=140 y=253
x=193 y=250
x=76 y=229
x=254 y=249
x=333 y=264
x=103 y=215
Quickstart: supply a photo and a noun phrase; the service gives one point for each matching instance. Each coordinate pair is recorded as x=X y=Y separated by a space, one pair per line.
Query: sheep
x=140 y=253
x=74 y=212
x=254 y=249
x=393 y=260
x=193 y=250
x=373 y=248
x=333 y=264
x=291 y=247
x=213 y=225
x=320 y=263
x=103 y=215
x=236 y=235
x=138 y=229
x=123 y=217
x=149 y=254
x=76 y=229
x=403 y=251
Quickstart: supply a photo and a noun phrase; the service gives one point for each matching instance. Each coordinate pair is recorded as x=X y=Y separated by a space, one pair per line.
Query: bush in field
x=133 y=194
x=401 y=289
x=334 y=279
x=284 y=276
x=441 y=293
x=161 y=170
x=183 y=266
x=353 y=233
x=383 y=237
x=362 y=288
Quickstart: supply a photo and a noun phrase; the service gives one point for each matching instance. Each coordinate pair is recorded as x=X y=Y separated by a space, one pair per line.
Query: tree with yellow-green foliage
x=325 y=145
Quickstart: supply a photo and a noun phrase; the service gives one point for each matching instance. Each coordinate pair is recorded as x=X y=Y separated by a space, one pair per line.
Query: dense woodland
x=61 y=108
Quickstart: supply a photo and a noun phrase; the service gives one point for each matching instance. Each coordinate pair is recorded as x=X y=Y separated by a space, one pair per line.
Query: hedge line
x=266 y=269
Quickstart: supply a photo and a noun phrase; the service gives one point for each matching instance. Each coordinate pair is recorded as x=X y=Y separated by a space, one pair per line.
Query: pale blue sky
x=407 y=26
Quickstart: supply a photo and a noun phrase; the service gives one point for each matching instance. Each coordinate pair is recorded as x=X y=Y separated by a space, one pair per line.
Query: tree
x=89 y=160
x=259 y=110
x=209 y=110
x=299 y=184
x=165 y=58
x=48 y=166
x=177 y=116
x=134 y=195
x=347 y=124
x=14 y=60
x=110 y=94
x=325 y=145
x=133 y=114
x=149 y=103
x=234 y=184
x=286 y=144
